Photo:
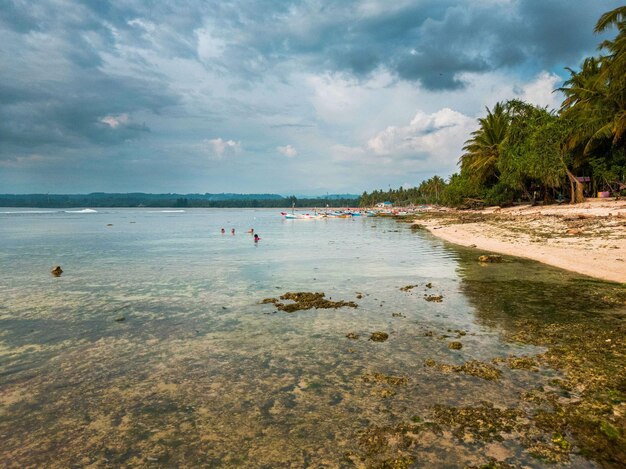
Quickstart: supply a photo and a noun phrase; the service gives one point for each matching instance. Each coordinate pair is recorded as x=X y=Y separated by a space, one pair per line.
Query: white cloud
x=220 y=148
x=209 y=46
x=288 y=151
x=427 y=135
x=141 y=23
x=114 y=121
x=429 y=143
x=540 y=91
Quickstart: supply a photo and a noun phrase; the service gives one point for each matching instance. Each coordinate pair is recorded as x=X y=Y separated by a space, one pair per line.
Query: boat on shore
x=300 y=216
x=346 y=213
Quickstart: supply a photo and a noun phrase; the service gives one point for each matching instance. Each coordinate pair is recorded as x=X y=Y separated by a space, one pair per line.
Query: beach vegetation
x=521 y=152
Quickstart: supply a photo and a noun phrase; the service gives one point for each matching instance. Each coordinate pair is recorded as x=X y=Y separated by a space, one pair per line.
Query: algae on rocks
x=490 y=258
x=306 y=300
x=379 y=336
x=473 y=368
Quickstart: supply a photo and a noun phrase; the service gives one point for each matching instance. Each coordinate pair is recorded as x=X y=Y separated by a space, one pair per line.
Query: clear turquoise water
x=199 y=373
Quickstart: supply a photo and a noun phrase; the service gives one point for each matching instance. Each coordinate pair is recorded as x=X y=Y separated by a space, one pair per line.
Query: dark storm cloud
x=82 y=75
x=431 y=42
x=53 y=91
x=71 y=114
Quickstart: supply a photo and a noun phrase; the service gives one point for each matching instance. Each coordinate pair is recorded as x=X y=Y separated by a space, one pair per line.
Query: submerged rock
x=434 y=298
x=490 y=258
x=56 y=271
x=382 y=446
x=519 y=363
x=408 y=287
x=120 y=319
x=455 y=345
x=484 y=422
x=480 y=370
x=306 y=300
x=379 y=336
x=384 y=392
x=352 y=335
x=379 y=378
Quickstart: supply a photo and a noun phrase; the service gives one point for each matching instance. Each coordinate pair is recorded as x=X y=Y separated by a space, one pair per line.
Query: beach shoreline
x=587 y=238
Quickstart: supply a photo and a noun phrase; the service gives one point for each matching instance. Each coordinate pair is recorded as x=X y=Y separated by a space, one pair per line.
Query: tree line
x=170 y=200
x=523 y=152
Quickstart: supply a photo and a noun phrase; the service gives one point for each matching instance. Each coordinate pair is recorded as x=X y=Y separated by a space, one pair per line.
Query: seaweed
x=305 y=301
x=473 y=368
x=379 y=336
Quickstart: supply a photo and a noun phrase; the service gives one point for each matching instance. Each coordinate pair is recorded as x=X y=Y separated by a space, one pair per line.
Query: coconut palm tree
x=587 y=105
x=595 y=97
x=614 y=71
x=481 y=150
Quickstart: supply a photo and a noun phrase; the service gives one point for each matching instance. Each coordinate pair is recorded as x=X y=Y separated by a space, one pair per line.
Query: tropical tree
x=595 y=96
x=534 y=154
x=616 y=59
x=430 y=191
x=614 y=71
x=482 y=149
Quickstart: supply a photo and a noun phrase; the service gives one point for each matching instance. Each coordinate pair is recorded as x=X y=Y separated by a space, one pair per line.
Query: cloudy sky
x=278 y=96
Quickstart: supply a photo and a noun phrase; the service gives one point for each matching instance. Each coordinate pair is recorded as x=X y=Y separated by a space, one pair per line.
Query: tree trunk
x=576 y=188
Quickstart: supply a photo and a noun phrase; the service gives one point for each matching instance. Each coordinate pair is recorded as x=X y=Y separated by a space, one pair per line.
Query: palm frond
x=611 y=18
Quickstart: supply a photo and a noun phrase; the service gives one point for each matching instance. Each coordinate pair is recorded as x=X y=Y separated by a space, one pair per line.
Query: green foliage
x=480 y=160
x=609 y=170
x=501 y=195
x=533 y=153
x=462 y=188
x=596 y=95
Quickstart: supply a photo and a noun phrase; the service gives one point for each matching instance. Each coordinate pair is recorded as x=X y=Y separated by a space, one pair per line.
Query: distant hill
x=141 y=199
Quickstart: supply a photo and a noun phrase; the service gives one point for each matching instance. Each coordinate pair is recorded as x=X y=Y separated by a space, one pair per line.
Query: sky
x=267 y=96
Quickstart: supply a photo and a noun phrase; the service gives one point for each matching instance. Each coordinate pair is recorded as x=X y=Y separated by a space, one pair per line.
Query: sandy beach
x=588 y=238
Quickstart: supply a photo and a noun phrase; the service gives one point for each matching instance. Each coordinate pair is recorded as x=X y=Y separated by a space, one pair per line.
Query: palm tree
x=614 y=71
x=481 y=150
x=587 y=105
x=611 y=18
x=595 y=97
x=431 y=189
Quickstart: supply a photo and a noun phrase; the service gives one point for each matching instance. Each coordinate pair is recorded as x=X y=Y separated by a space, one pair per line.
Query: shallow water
x=200 y=374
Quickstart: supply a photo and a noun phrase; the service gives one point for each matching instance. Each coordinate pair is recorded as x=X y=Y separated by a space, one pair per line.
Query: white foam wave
x=86 y=210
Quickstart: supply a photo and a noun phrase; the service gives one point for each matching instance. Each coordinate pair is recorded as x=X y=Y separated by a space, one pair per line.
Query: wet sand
x=587 y=238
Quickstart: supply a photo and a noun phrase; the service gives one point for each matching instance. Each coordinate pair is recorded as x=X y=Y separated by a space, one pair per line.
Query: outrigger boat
x=299 y=216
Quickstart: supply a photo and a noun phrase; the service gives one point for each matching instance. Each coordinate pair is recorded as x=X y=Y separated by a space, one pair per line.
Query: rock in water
x=56 y=271
x=455 y=345
x=379 y=336
x=490 y=258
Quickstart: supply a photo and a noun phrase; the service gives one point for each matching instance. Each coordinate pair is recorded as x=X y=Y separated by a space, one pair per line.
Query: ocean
x=154 y=349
